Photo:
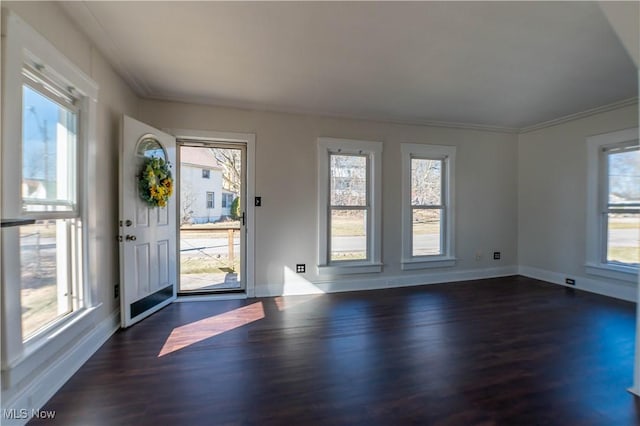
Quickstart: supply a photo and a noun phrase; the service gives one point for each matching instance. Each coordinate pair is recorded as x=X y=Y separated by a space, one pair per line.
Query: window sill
x=617 y=272
x=38 y=351
x=350 y=268
x=426 y=262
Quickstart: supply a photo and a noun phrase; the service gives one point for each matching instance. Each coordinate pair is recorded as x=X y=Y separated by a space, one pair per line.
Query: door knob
x=128 y=222
x=130 y=237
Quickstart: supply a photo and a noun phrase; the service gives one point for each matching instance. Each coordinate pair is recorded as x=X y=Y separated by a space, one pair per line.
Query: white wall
x=552 y=193
x=114 y=99
x=286 y=224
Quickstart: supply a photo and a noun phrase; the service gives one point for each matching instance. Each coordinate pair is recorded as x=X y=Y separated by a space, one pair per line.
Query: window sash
x=606 y=207
x=64 y=96
x=68 y=276
x=367 y=178
x=442 y=249
x=443 y=180
x=366 y=207
x=442 y=206
x=71 y=104
x=367 y=227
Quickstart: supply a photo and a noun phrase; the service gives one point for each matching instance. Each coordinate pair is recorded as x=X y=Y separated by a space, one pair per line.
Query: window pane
x=48 y=154
x=348 y=235
x=348 y=180
x=426 y=182
x=426 y=232
x=44 y=280
x=624 y=177
x=149 y=147
x=623 y=239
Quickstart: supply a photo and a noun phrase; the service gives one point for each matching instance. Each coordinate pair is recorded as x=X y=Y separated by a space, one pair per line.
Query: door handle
x=130 y=238
x=243 y=219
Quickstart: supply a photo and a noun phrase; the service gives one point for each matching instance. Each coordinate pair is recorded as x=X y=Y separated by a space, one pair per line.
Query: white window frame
x=373 y=152
x=432 y=152
x=206 y=174
x=24 y=46
x=213 y=199
x=597 y=193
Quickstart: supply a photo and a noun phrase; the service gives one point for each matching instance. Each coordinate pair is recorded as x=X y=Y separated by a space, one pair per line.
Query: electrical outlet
x=496 y=255
x=301 y=268
x=570 y=281
x=116 y=291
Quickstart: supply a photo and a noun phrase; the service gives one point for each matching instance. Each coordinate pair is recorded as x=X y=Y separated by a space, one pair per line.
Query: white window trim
x=448 y=154
x=374 y=232
x=595 y=191
x=23 y=45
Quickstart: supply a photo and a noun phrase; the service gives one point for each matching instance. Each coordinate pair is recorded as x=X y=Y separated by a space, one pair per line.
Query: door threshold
x=203 y=297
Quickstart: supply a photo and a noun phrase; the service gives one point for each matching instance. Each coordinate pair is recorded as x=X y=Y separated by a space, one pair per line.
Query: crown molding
x=248 y=106
x=578 y=115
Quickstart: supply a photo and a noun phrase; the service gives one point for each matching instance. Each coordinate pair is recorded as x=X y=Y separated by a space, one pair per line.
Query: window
x=49 y=151
x=211 y=198
x=49 y=169
x=206 y=173
x=227 y=200
x=427 y=205
x=613 y=215
x=350 y=204
x=47 y=138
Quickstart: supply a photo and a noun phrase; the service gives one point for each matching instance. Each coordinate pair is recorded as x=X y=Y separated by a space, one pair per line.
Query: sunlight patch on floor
x=285 y=302
x=189 y=334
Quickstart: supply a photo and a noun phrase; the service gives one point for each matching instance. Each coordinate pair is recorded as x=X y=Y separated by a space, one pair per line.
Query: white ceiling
x=509 y=64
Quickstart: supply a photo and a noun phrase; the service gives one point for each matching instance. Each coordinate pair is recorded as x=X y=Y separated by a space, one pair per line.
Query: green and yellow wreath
x=155 y=183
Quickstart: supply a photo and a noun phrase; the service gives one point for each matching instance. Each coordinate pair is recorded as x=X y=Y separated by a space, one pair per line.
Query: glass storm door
x=211 y=216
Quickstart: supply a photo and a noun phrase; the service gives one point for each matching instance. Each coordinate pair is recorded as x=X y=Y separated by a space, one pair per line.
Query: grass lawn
x=39 y=307
x=352 y=227
x=201 y=265
x=618 y=224
x=624 y=254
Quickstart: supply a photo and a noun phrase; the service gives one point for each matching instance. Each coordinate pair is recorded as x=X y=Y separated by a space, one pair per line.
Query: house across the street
x=203 y=199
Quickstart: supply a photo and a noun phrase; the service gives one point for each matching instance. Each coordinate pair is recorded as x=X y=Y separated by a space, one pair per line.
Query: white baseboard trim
x=296 y=285
x=40 y=389
x=603 y=287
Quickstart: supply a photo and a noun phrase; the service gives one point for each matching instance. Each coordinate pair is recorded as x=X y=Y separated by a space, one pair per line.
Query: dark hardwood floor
x=508 y=351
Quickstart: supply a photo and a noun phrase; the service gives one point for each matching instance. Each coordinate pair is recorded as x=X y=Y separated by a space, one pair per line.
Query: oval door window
x=149 y=147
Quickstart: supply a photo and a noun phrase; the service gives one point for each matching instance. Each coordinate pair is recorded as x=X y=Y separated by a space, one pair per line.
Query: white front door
x=147 y=234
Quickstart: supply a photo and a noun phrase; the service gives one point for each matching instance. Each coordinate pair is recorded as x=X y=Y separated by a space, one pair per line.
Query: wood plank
x=507 y=351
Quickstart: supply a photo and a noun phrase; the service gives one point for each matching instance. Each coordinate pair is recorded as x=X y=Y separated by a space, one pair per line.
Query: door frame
x=249 y=140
